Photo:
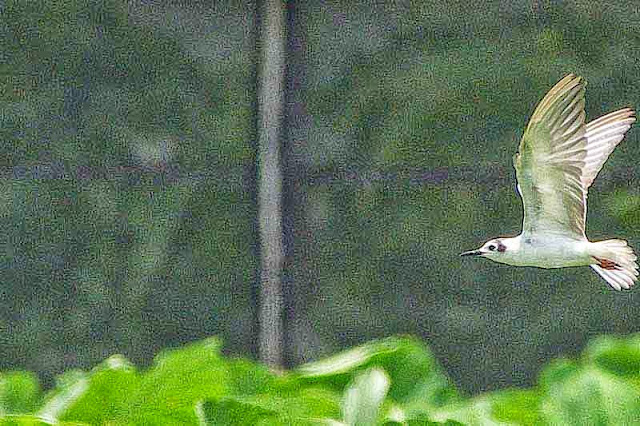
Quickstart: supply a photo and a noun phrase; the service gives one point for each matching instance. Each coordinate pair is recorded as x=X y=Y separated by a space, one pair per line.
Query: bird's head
x=493 y=249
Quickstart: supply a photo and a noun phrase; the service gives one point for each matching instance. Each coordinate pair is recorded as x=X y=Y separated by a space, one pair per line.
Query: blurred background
x=128 y=167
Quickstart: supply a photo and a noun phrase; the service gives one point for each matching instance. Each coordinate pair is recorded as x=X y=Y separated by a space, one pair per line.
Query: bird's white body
x=546 y=251
x=559 y=157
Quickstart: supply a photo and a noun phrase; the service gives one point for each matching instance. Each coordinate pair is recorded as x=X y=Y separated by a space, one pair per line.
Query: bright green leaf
x=620 y=356
x=233 y=412
x=108 y=395
x=19 y=392
x=249 y=378
x=306 y=406
x=516 y=406
x=591 y=396
x=414 y=372
x=169 y=391
x=557 y=371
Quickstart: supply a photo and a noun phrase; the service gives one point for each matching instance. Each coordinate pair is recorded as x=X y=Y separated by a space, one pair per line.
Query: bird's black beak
x=471 y=253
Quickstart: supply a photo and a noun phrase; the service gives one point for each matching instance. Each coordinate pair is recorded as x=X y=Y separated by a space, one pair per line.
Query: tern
x=558 y=158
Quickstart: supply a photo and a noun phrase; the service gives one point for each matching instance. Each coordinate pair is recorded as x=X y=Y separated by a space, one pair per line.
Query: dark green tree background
x=128 y=170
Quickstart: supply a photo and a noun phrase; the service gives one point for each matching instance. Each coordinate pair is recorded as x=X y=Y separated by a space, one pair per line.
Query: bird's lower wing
x=552 y=197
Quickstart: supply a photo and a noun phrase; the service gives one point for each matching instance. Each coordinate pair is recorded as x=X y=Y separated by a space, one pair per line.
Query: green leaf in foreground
x=248 y=378
x=19 y=392
x=347 y=361
x=179 y=378
x=413 y=371
x=27 y=420
x=425 y=421
x=393 y=381
x=110 y=387
x=516 y=406
x=306 y=406
x=591 y=396
x=232 y=412
x=510 y=406
x=23 y=420
x=620 y=356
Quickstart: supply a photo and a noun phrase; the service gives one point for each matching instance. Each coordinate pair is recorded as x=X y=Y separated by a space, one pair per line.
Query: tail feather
x=616 y=263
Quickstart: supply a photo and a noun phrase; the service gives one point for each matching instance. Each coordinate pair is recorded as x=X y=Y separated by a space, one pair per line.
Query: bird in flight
x=558 y=159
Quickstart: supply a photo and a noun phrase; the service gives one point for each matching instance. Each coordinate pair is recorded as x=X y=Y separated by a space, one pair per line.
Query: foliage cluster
x=392 y=381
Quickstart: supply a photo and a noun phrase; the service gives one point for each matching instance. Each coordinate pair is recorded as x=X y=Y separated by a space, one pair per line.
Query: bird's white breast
x=547 y=251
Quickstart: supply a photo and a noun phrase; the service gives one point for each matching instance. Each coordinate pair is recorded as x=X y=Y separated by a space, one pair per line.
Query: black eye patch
x=501 y=247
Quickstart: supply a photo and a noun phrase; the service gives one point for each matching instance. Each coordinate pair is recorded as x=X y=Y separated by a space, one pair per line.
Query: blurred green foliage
x=127 y=204
x=393 y=381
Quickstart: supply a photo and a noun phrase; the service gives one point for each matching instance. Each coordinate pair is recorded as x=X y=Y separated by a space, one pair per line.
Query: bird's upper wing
x=559 y=157
x=550 y=160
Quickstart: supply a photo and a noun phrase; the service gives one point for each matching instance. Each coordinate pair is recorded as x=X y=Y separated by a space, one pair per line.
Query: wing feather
x=550 y=160
x=603 y=135
x=560 y=156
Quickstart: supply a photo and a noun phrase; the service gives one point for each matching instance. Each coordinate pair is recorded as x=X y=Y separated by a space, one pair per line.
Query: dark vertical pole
x=270 y=110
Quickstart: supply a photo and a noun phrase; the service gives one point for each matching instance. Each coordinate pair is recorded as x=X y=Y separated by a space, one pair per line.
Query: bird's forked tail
x=616 y=263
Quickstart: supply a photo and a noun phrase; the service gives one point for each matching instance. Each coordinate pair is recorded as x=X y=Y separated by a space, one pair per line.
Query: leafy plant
x=392 y=381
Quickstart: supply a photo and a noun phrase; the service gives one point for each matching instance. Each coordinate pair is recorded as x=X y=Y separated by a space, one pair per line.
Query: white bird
x=558 y=159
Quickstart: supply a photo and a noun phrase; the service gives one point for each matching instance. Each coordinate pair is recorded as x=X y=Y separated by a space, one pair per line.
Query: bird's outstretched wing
x=603 y=135
x=559 y=157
